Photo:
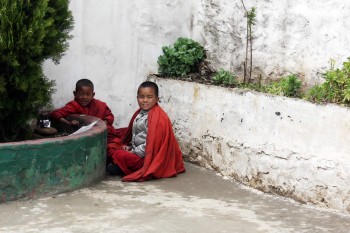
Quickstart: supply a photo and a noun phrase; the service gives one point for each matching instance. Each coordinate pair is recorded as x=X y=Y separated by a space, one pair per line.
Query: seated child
x=148 y=148
x=84 y=103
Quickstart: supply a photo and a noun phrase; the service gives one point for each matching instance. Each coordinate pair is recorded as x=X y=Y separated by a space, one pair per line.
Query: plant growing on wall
x=181 y=59
x=335 y=89
x=251 y=17
x=30 y=33
x=289 y=86
x=224 y=77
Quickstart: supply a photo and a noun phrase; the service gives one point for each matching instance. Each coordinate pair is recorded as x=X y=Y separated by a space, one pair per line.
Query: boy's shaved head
x=84 y=83
x=151 y=85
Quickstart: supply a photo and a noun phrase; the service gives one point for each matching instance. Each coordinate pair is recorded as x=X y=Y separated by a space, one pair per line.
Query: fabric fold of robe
x=163 y=157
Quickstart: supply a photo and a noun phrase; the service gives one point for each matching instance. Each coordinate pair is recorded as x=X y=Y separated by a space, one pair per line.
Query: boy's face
x=84 y=95
x=146 y=97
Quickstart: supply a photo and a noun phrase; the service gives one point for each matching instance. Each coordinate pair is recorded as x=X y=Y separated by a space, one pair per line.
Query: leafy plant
x=223 y=77
x=30 y=33
x=315 y=94
x=181 y=59
x=335 y=89
x=253 y=86
x=289 y=86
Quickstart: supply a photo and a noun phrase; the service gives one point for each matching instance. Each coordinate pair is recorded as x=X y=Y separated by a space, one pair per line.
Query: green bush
x=30 y=33
x=223 y=77
x=181 y=59
x=335 y=89
x=289 y=86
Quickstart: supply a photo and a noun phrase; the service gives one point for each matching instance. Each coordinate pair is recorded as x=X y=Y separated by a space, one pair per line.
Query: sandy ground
x=196 y=201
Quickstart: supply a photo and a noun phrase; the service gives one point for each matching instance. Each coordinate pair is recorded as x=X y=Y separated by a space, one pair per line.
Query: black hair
x=84 y=83
x=150 y=84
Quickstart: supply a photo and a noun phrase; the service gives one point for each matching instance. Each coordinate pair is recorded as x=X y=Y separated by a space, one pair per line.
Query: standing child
x=149 y=148
x=85 y=103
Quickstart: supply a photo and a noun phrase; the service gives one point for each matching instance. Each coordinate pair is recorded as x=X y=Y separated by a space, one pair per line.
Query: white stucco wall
x=116 y=43
x=300 y=153
x=290 y=36
x=281 y=145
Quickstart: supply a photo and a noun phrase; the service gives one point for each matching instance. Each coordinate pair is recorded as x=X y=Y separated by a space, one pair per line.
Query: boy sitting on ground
x=85 y=103
x=149 y=148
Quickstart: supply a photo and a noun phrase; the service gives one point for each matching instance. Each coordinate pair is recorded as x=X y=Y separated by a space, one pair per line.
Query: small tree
x=250 y=15
x=30 y=33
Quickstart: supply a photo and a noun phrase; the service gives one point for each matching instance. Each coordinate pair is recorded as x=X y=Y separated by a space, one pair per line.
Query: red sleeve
x=100 y=109
x=71 y=108
x=108 y=116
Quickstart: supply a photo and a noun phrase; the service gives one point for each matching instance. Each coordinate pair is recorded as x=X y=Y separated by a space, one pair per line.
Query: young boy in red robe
x=148 y=148
x=85 y=103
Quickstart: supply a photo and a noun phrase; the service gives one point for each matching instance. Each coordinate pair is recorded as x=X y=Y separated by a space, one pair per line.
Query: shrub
x=181 y=59
x=289 y=86
x=335 y=89
x=30 y=33
x=223 y=77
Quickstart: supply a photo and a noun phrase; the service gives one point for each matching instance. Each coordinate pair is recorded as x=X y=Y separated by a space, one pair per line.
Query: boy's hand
x=74 y=122
x=127 y=148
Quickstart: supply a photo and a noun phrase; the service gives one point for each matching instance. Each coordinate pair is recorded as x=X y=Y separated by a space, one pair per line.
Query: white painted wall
x=116 y=43
x=291 y=36
x=281 y=145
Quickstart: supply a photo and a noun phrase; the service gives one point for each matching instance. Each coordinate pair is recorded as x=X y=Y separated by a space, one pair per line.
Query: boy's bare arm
x=65 y=121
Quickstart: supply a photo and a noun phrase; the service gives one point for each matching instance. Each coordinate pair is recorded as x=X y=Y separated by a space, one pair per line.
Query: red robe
x=163 y=157
x=95 y=108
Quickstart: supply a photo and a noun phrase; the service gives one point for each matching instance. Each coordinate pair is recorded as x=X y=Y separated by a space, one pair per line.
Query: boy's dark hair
x=150 y=84
x=84 y=83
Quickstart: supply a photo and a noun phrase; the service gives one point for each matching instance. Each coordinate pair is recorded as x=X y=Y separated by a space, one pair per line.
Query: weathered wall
x=289 y=36
x=116 y=43
x=276 y=144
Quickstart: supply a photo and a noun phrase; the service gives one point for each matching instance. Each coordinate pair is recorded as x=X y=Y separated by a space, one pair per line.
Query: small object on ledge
x=43 y=120
x=45 y=131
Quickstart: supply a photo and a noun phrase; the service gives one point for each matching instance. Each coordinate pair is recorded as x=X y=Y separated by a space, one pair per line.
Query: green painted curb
x=33 y=168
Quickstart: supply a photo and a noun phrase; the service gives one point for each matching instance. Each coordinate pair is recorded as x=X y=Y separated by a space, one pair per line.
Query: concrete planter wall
x=48 y=166
x=275 y=144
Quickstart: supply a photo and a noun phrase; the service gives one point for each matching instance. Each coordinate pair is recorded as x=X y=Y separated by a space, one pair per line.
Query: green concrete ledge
x=35 y=168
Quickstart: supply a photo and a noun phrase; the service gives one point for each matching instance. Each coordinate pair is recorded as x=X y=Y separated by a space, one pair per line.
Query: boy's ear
x=74 y=93
x=93 y=94
x=157 y=99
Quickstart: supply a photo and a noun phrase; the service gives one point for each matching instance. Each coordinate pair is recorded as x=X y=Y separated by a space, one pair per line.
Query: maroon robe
x=163 y=157
x=95 y=108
